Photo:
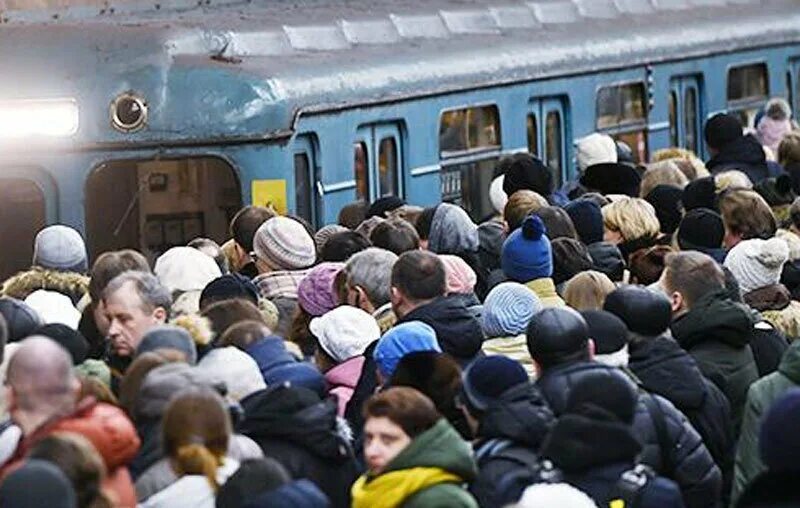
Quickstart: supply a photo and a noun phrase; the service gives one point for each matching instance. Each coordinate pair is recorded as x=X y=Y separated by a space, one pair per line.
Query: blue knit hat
x=399 y=341
x=588 y=220
x=488 y=377
x=779 y=446
x=526 y=252
x=508 y=309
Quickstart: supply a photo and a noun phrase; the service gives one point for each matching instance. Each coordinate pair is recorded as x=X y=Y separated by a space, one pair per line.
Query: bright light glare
x=30 y=118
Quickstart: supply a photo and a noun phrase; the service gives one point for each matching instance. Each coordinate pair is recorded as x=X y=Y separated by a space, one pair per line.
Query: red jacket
x=113 y=436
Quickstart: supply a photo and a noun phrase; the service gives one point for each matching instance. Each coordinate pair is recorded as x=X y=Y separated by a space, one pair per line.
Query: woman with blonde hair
x=195 y=433
x=661 y=173
x=631 y=224
x=588 y=290
x=686 y=160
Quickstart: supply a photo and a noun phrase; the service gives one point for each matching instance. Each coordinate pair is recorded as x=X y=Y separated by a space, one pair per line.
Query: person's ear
x=590 y=348
x=676 y=301
x=160 y=314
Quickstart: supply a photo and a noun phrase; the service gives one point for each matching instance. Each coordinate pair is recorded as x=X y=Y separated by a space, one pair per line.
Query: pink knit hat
x=316 y=294
x=460 y=277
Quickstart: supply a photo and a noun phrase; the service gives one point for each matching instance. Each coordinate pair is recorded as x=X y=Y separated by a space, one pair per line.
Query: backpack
x=627 y=492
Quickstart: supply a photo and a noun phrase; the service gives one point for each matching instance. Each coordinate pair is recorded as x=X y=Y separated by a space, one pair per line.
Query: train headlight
x=56 y=118
x=128 y=112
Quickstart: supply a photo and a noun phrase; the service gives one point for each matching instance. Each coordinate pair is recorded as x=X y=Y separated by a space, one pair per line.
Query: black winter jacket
x=293 y=426
x=521 y=419
x=744 y=154
x=692 y=466
x=458 y=332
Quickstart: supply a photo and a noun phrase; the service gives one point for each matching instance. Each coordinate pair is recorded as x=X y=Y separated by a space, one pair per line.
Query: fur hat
x=757 y=263
x=525 y=171
x=612 y=178
x=594 y=149
x=284 y=244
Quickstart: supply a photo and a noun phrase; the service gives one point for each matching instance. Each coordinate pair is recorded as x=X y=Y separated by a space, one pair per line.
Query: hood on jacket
x=491 y=235
x=744 y=154
x=297 y=415
x=71 y=284
x=521 y=415
x=278 y=366
x=457 y=330
x=440 y=446
x=714 y=318
x=663 y=367
x=608 y=259
x=790 y=363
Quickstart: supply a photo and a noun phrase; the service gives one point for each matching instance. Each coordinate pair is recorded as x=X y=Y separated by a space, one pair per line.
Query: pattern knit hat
x=461 y=278
x=527 y=254
x=345 y=332
x=60 y=248
x=452 y=231
x=757 y=263
x=508 y=309
x=587 y=219
x=284 y=244
x=401 y=340
x=315 y=293
x=185 y=269
x=594 y=149
x=488 y=377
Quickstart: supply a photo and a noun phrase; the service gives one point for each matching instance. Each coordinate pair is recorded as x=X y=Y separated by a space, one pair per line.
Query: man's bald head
x=41 y=378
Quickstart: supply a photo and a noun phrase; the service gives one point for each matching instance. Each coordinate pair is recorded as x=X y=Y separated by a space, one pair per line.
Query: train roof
x=239 y=69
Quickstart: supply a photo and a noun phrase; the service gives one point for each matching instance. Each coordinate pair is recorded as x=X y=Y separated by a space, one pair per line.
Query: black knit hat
x=701 y=193
x=488 y=377
x=643 y=311
x=587 y=219
x=608 y=332
x=610 y=391
x=72 y=340
x=383 y=205
x=700 y=229
x=722 y=129
x=524 y=171
x=557 y=335
x=228 y=286
x=20 y=318
x=666 y=199
x=612 y=178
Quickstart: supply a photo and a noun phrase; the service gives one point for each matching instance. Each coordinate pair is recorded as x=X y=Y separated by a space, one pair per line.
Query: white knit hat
x=185 y=269
x=345 y=332
x=497 y=196
x=594 y=149
x=757 y=263
x=54 y=307
x=235 y=368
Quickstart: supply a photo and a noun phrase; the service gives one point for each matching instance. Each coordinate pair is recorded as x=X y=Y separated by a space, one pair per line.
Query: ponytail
x=197 y=459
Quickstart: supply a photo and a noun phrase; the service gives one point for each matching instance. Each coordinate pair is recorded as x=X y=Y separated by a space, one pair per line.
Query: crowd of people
x=629 y=340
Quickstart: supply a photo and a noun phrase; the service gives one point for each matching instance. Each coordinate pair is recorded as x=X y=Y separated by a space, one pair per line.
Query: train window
x=152 y=205
x=533 y=135
x=387 y=167
x=673 y=119
x=361 y=171
x=303 y=186
x=461 y=130
x=21 y=217
x=467 y=185
x=621 y=105
x=553 y=141
x=690 y=119
x=748 y=82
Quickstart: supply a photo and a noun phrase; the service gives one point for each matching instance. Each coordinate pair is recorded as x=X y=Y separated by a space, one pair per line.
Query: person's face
x=731 y=239
x=100 y=318
x=129 y=320
x=612 y=236
x=383 y=441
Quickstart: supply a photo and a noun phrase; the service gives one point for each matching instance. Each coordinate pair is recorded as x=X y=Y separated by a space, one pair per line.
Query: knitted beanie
x=700 y=193
x=284 y=244
x=229 y=286
x=587 y=219
x=169 y=337
x=325 y=233
x=54 y=307
x=461 y=278
x=666 y=199
x=345 y=332
x=527 y=254
x=60 y=248
x=69 y=338
x=594 y=149
x=722 y=129
x=778 y=445
x=400 y=340
x=701 y=228
x=508 y=309
x=37 y=483
x=497 y=196
x=315 y=293
x=488 y=377
x=757 y=263
x=452 y=231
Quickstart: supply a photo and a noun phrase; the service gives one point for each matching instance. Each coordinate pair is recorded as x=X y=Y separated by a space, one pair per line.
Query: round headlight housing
x=129 y=112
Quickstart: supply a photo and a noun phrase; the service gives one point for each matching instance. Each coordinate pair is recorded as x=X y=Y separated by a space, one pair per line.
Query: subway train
x=145 y=124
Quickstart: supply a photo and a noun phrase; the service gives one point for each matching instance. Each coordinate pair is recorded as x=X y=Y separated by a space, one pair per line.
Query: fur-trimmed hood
x=21 y=285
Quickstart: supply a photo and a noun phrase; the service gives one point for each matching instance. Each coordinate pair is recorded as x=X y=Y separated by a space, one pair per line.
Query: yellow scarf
x=391 y=489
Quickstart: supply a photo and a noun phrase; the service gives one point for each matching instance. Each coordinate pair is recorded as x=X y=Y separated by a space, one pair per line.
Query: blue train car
x=148 y=123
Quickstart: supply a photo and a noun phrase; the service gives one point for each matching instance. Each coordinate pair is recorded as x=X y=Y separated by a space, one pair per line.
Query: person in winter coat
x=558 y=340
x=702 y=229
x=527 y=258
x=414 y=457
x=196 y=430
x=297 y=428
x=507 y=310
x=342 y=336
x=593 y=443
x=775 y=124
x=43 y=401
x=760 y=397
x=664 y=368
x=509 y=419
x=418 y=287
x=709 y=326
x=731 y=149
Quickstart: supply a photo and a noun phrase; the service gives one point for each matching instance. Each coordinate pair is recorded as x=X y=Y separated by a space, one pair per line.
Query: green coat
x=760 y=397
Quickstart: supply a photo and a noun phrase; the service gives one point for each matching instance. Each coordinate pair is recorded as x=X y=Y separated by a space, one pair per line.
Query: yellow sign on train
x=270 y=193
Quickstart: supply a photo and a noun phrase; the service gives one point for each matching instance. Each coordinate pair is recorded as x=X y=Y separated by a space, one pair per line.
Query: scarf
x=391 y=489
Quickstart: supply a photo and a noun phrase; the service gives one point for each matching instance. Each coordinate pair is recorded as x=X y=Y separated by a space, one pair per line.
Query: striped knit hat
x=507 y=310
x=284 y=244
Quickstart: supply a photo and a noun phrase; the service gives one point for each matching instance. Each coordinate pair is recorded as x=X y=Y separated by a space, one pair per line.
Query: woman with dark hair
x=414 y=456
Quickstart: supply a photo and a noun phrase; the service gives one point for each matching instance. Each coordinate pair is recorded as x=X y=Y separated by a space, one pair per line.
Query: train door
x=308 y=191
x=793 y=85
x=546 y=135
x=22 y=215
x=378 y=161
x=686 y=113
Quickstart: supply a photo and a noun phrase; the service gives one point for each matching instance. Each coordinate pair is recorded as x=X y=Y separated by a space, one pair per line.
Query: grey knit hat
x=60 y=248
x=285 y=244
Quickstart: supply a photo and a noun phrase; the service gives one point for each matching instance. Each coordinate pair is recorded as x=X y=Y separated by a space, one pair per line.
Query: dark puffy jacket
x=693 y=467
x=458 y=332
x=293 y=426
x=744 y=154
x=717 y=333
x=768 y=346
x=518 y=419
x=790 y=277
x=598 y=482
x=664 y=368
